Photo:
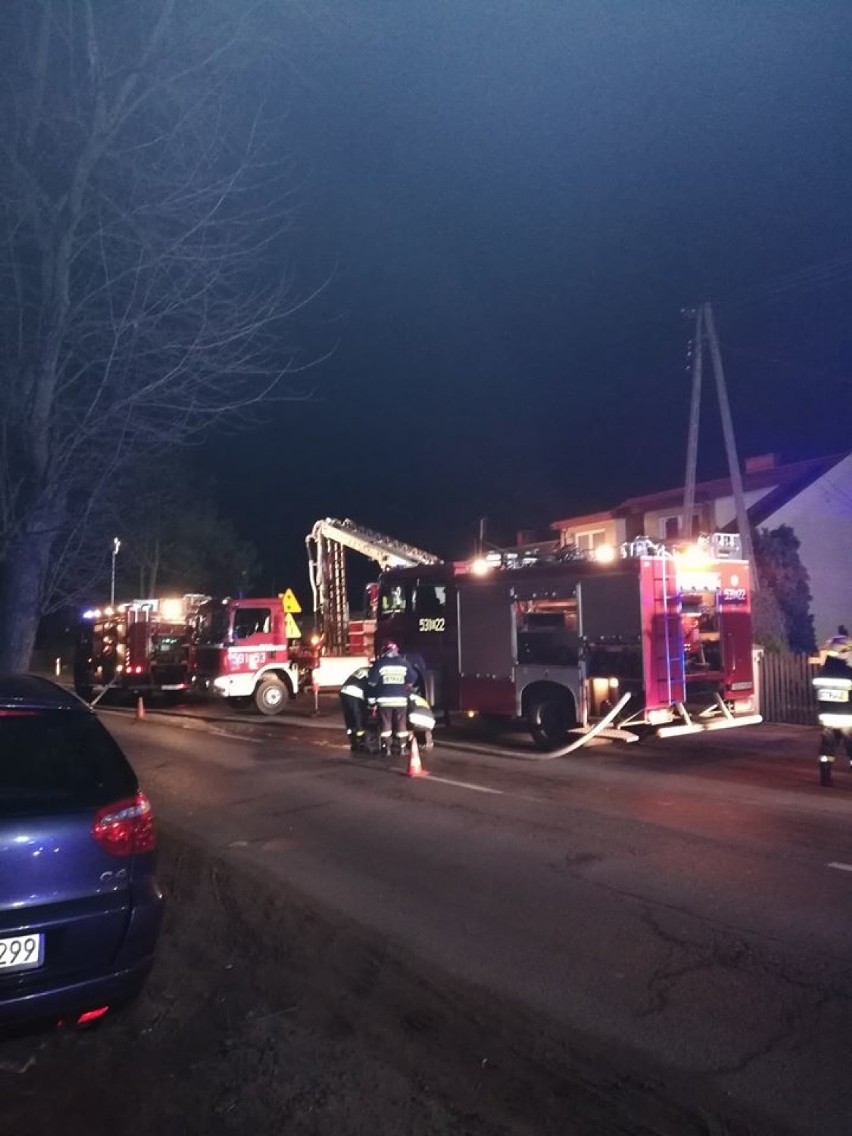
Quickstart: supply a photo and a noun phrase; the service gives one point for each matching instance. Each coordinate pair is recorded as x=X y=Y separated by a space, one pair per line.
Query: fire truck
x=341 y=643
x=137 y=648
x=241 y=652
x=645 y=636
x=235 y=649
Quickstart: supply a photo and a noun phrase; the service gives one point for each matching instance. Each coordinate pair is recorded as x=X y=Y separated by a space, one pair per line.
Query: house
x=813 y=497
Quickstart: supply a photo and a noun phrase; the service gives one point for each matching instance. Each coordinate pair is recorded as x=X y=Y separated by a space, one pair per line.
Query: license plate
x=21 y=952
x=829 y=694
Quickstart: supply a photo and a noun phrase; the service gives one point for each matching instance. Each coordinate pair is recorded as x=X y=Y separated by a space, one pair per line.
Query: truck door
x=486 y=648
x=609 y=614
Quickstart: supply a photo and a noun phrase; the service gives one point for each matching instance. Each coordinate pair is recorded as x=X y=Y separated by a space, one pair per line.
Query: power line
x=823 y=274
x=792 y=364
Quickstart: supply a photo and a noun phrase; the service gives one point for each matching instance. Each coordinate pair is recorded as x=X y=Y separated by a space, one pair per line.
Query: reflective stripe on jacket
x=420 y=713
x=356 y=685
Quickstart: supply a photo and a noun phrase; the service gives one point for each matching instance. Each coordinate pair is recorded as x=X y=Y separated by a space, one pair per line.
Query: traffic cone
x=140 y=709
x=415 y=769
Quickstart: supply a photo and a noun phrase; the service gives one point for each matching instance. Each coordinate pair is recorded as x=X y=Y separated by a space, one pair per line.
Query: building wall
x=821 y=517
x=725 y=508
x=608 y=531
x=712 y=515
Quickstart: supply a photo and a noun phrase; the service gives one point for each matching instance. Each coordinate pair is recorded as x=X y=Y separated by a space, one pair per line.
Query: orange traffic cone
x=140 y=709
x=415 y=769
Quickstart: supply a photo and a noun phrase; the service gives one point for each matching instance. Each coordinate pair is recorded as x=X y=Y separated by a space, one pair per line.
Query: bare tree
x=171 y=536
x=143 y=215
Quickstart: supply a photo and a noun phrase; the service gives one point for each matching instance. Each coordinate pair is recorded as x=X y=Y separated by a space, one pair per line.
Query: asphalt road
x=683 y=906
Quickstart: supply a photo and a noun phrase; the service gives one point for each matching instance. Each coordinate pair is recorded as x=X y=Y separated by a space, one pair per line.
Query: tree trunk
x=22 y=588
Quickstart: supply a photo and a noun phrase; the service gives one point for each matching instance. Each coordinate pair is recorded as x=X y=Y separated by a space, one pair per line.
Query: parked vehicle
x=137 y=648
x=241 y=653
x=644 y=636
x=80 y=907
x=342 y=643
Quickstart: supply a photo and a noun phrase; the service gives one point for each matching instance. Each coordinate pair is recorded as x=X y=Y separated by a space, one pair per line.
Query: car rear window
x=55 y=760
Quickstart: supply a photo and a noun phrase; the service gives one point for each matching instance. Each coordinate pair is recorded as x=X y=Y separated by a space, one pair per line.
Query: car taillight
x=125 y=827
x=92 y=1015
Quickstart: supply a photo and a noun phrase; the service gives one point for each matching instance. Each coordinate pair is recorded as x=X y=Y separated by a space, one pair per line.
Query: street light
x=116 y=545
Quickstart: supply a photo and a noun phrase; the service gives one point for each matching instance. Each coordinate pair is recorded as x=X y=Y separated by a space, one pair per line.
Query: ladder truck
x=342 y=643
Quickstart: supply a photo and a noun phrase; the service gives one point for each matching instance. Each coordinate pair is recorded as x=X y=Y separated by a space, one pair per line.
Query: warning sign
x=290 y=603
x=291 y=627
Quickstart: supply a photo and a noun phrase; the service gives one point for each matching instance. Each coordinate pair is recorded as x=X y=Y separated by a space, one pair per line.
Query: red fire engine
x=241 y=652
x=342 y=643
x=644 y=636
x=235 y=649
x=137 y=648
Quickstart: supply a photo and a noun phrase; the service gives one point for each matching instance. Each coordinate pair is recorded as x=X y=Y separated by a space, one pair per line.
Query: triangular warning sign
x=291 y=627
x=289 y=602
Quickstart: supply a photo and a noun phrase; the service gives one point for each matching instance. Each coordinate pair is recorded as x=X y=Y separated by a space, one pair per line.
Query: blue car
x=80 y=907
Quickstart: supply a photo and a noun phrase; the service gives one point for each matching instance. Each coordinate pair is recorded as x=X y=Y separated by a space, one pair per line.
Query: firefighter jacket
x=833 y=685
x=356 y=685
x=420 y=715
x=391 y=680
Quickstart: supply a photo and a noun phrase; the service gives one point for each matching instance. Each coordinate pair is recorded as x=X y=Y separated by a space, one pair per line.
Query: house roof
x=805 y=474
x=784 y=482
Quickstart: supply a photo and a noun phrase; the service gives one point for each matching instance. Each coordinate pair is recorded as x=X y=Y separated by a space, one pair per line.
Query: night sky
x=512 y=203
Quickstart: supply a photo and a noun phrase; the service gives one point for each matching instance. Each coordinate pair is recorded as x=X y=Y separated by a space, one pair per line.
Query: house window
x=670 y=527
x=589 y=540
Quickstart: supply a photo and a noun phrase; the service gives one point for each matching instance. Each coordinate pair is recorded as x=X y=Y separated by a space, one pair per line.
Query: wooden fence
x=785 y=688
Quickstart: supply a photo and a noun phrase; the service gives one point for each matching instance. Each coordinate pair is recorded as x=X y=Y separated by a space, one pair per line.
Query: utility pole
x=705 y=327
x=694 y=417
x=116 y=545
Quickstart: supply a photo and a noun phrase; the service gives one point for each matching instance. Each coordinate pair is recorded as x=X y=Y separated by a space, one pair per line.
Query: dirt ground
x=264 y=1015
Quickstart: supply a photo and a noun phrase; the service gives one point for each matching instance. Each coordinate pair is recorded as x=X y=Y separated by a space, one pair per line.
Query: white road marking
x=840 y=867
x=466 y=785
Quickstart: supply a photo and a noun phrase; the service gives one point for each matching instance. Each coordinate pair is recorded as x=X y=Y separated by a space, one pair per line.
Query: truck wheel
x=550 y=718
x=270 y=696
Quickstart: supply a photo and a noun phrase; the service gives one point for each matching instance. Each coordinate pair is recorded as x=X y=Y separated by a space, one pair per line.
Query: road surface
x=663 y=928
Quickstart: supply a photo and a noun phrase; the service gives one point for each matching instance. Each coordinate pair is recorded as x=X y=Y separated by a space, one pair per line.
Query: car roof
x=36 y=693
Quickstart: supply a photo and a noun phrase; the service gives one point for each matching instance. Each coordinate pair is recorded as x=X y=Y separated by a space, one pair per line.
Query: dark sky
x=513 y=202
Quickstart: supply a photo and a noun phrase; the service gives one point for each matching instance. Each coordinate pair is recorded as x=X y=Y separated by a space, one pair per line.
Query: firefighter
x=833 y=685
x=421 y=717
x=353 y=699
x=391 y=681
x=419 y=702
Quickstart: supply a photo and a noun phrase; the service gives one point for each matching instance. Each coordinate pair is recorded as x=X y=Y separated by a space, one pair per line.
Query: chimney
x=761 y=463
x=525 y=536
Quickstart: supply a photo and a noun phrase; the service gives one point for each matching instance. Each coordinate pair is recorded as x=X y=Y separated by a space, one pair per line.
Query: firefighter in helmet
x=353 y=700
x=390 y=682
x=833 y=684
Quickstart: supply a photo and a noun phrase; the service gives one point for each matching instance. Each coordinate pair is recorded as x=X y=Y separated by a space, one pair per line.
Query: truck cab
x=242 y=653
